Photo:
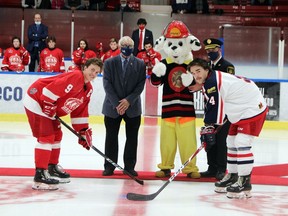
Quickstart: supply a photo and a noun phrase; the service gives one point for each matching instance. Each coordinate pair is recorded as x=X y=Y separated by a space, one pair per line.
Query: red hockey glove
x=49 y=108
x=207 y=137
x=86 y=140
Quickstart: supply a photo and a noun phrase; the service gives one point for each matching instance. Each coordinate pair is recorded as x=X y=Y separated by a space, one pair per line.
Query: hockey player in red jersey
x=63 y=94
x=241 y=100
x=15 y=57
x=51 y=58
x=81 y=55
x=148 y=56
x=114 y=50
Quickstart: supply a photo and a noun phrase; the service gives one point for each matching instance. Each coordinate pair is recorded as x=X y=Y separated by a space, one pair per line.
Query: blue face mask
x=126 y=51
x=213 y=55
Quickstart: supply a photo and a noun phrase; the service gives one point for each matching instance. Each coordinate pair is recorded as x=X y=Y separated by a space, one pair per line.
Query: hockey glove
x=207 y=137
x=86 y=139
x=49 y=108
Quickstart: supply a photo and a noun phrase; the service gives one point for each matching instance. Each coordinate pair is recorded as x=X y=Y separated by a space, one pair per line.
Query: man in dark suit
x=140 y=35
x=37 y=34
x=217 y=155
x=123 y=80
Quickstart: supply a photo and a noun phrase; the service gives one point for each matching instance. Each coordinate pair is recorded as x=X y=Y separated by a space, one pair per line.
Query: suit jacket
x=116 y=89
x=35 y=35
x=225 y=66
x=135 y=37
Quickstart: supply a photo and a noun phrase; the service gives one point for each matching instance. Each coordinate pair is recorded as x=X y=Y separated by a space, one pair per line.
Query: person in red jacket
x=81 y=55
x=51 y=58
x=114 y=50
x=148 y=56
x=15 y=57
x=60 y=95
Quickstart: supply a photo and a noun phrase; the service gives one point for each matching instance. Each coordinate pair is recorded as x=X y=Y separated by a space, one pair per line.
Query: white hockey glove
x=187 y=78
x=159 y=68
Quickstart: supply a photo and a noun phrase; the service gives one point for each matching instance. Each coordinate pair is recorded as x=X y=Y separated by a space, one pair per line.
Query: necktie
x=140 y=40
x=125 y=63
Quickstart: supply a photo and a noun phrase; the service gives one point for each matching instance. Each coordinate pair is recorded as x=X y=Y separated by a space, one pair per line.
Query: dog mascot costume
x=178 y=114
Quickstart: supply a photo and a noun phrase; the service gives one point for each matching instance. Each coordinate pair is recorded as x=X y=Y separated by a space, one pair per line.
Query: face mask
x=213 y=55
x=141 y=27
x=126 y=51
x=38 y=23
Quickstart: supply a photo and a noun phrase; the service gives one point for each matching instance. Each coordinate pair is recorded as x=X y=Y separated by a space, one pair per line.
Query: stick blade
x=140 y=197
x=139 y=181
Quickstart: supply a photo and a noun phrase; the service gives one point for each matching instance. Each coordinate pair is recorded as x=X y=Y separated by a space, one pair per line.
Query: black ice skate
x=229 y=179
x=240 y=189
x=57 y=172
x=43 y=181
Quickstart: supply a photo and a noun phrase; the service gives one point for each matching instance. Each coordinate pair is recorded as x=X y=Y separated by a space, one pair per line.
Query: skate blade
x=220 y=190
x=61 y=180
x=241 y=195
x=44 y=187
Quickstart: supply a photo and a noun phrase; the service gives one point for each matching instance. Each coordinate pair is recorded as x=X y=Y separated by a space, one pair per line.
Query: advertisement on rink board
x=13 y=88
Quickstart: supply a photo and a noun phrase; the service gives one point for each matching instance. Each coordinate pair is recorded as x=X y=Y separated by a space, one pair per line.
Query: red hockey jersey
x=69 y=93
x=52 y=61
x=79 y=57
x=15 y=59
x=111 y=53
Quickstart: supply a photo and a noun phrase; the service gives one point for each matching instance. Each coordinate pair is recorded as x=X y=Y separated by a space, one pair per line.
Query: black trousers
x=217 y=155
x=35 y=55
x=112 y=144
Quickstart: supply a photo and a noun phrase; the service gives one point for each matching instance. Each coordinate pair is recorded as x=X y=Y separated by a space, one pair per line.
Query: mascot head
x=177 y=42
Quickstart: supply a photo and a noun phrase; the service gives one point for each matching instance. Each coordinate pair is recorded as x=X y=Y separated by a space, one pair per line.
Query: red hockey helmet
x=176 y=29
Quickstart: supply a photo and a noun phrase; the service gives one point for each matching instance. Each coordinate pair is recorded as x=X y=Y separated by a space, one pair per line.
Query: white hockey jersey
x=237 y=97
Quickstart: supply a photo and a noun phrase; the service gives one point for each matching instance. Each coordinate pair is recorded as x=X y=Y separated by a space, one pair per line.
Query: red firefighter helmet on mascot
x=176 y=29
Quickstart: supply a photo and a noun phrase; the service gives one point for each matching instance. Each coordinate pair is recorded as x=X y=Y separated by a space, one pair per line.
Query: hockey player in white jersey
x=241 y=100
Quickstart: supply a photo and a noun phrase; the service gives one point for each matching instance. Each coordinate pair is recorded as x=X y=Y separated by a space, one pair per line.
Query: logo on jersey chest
x=174 y=79
x=50 y=60
x=15 y=59
x=72 y=104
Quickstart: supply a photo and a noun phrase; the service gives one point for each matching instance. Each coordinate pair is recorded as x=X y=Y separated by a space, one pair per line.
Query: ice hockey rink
x=90 y=194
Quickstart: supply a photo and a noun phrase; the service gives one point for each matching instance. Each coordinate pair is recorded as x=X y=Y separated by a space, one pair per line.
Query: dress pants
x=112 y=144
x=35 y=55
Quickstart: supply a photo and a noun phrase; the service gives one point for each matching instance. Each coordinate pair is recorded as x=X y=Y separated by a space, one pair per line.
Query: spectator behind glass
x=261 y=2
x=81 y=55
x=37 y=34
x=140 y=35
x=29 y=3
x=15 y=57
x=57 y=4
x=114 y=50
x=51 y=58
x=75 y=5
x=148 y=56
x=43 y=4
x=97 y=5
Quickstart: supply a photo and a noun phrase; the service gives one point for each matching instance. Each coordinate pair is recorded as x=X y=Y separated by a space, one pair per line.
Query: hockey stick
x=142 y=197
x=149 y=197
x=99 y=152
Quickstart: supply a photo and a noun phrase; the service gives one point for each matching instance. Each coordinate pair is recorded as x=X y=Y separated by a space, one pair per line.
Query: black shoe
x=132 y=172
x=108 y=172
x=207 y=174
x=220 y=175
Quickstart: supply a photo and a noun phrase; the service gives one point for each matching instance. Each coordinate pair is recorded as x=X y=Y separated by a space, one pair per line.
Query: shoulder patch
x=230 y=70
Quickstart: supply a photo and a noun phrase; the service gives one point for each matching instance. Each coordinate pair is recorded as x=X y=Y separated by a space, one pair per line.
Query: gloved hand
x=207 y=137
x=49 y=108
x=159 y=68
x=86 y=140
x=187 y=78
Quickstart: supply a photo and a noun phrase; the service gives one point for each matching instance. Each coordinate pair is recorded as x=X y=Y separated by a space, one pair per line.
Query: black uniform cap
x=212 y=43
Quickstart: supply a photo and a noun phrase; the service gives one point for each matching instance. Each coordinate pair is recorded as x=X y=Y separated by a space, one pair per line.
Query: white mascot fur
x=178 y=130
